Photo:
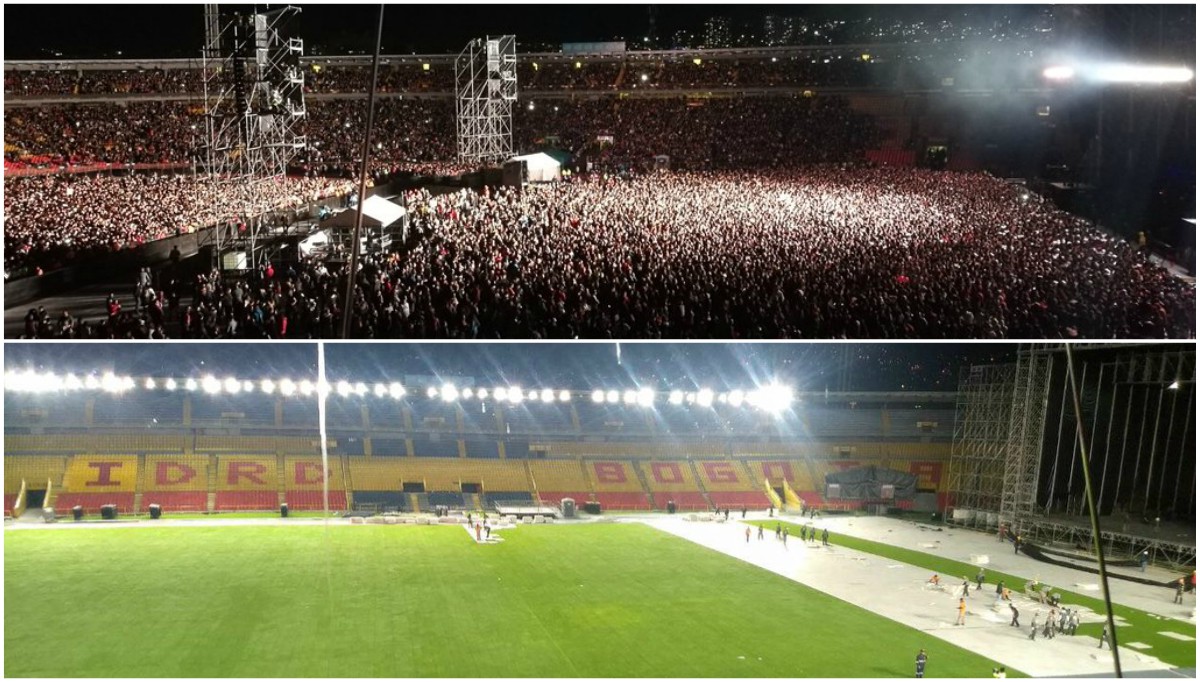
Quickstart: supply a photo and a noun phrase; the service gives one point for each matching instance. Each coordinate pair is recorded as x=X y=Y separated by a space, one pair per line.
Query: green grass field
x=1142 y=627
x=602 y=600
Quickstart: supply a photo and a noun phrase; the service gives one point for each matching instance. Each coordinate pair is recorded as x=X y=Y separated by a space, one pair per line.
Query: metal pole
x=1124 y=444
x=1154 y=438
x=1094 y=518
x=1062 y=414
x=1162 y=477
x=362 y=182
x=1183 y=449
x=1095 y=419
x=1075 y=447
x=1112 y=410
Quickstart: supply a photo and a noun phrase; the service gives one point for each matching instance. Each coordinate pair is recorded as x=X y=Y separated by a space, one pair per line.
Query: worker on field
x=1104 y=638
x=962 y=612
x=478 y=532
x=979 y=579
x=825 y=537
x=921 y=660
x=935 y=581
x=760 y=532
x=785 y=536
x=966 y=588
x=1015 y=623
x=1033 y=626
x=747 y=535
x=778 y=531
x=1179 y=591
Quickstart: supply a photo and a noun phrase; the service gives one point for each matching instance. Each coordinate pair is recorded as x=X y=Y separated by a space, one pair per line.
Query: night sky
x=93 y=31
x=812 y=367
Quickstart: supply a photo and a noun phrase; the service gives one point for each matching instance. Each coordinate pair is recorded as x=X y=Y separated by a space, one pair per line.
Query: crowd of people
x=819 y=252
x=412 y=75
x=55 y=220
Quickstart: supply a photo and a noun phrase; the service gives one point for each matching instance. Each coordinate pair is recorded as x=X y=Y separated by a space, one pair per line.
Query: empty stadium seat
x=176 y=501
x=314 y=500
x=247 y=500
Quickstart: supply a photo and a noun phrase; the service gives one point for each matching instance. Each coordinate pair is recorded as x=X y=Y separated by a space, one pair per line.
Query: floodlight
x=267 y=386
x=774 y=398
x=645 y=397
x=210 y=384
x=232 y=385
x=1174 y=386
x=395 y=390
x=1138 y=73
x=722 y=398
x=1059 y=73
x=149 y=384
x=248 y=386
x=630 y=397
x=564 y=396
x=676 y=398
x=597 y=396
x=431 y=392
x=547 y=395
x=306 y=387
x=73 y=383
x=482 y=394
x=467 y=393
x=380 y=390
x=287 y=387
x=705 y=397
x=515 y=395
x=343 y=388
x=360 y=389
x=169 y=384
x=190 y=384
x=612 y=397
x=449 y=393
x=91 y=382
x=736 y=397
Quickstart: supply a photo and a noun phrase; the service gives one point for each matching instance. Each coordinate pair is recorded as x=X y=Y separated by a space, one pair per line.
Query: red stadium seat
x=628 y=501
x=176 y=501
x=753 y=500
x=247 y=500
x=91 y=502
x=314 y=500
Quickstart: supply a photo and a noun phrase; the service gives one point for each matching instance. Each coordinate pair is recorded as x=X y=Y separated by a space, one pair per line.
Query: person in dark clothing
x=778 y=531
x=825 y=537
x=921 y=660
x=1015 y=622
x=979 y=580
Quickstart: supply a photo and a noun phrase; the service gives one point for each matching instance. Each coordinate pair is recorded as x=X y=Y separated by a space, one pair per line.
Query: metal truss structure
x=979 y=451
x=1026 y=429
x=254 y=112
x=485 y=79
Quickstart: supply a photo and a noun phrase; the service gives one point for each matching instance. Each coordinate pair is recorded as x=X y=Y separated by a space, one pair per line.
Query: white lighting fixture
x=380 y=390
x=169 y=384
x=343 y=388
x=722 y=398
x=612 y=397
x=645 y=397
x=431 y=392
x=287 y=387
x=515 y=395
x=267 y=386
x=449 y=393
x=704 y=397
x=772 y=398
x=676 y=398
x=691 y=398
x=500 y=393
x=190 y=384
x=360 y=389
x=232 y=385
x=91 y=382
x=395 y=390
x=210 y=384
x=597 y=396
x=564 y=396
x=149 y=384
x=73 y=383
x=248 y=386
x=1174 y=386
x=630 y=397
x=547 y=395
x=736 y=397
x=1138 y=73
x=482 y=394
x=306 y=387
x=1059 y=73
x=467 y=393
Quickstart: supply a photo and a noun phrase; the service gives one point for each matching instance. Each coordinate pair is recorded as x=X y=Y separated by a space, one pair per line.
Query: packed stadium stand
x=246 y=453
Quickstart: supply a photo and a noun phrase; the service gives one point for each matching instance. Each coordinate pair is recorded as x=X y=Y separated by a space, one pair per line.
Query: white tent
x=542 y=167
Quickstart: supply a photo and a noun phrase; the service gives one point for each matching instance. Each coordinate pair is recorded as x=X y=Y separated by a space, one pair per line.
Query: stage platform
x=528 y=510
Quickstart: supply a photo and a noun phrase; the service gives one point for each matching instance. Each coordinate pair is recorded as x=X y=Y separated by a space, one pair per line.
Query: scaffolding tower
x=254 y=114
x=485 y=78
x=980 y=448
x=1026 y=429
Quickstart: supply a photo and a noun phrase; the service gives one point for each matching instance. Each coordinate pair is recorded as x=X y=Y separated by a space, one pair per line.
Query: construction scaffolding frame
x=254 y=114
x=979 y=449
x=1026 y=430
x=485 y=78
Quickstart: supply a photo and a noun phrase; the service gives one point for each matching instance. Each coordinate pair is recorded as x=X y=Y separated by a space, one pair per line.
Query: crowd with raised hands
x=820 y=252
x=55 y=220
